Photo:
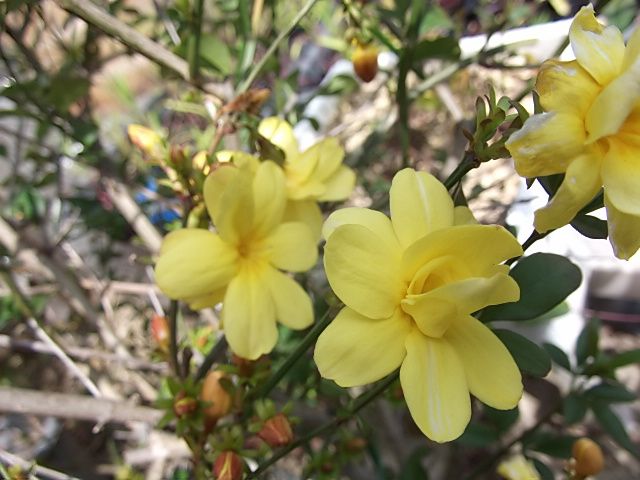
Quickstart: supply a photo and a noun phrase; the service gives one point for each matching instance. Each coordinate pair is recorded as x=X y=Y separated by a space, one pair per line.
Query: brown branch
x=99 y=410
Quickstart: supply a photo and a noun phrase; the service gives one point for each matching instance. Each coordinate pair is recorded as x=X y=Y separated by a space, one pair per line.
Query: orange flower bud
x=365 y=61
x=245 y=366
x=160 y=331
x=212 y=391
x=183 y=405
x=588 y=457
x=228 y=466
x=276 y=431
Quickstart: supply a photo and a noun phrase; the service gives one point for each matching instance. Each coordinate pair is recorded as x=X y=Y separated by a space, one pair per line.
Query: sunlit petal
x=363 y=272
x=293 y=305
x=463 y=216
x=339 y=185
x=420 y=204
x=566 y=87
x=435 y=387
x=547 y=143
x=378 y=350
x=330 y=155
x=280 y=133
x=581 y=183
x=374 y=220
x=194 y=262
x=624 y=231
x=598 y=49
x=492 y=374
x=206 y=301
x=269 y=196
x=621 y=176
x=249 y=314
x=307 y=212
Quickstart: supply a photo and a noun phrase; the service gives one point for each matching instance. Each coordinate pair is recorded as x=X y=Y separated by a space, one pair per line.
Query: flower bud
x=365 y=61
x=276 y=431
x=213 y=392
x=145 y=139
x=588 y=457
x=184 y=405
x=160 y=332
x=228 y=466
x=245 y=366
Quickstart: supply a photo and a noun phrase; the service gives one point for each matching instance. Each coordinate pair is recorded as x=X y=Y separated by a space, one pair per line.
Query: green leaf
x=216 y=53
x=545 y=280
x=587 y=343
x=590 y=226
x=558 y=446
x=529 y=357
x=574 y=408
x=614 y=427
x=413 y=469
x=66 y=88
x=625 y=358
x=545 y=472
x=478 y=435
x=610 y=393
x=558 y=356
x=501 y=419
x=443 y=47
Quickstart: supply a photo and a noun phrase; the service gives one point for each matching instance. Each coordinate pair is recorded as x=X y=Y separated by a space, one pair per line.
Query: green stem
x=300 y=350
x=403 y=104
x=194 y=50
x=244 y=86
x=173 y=338
x=491 y=461
x=211 y=358
x=357 y=405
x=467 y=164
x=533 y=238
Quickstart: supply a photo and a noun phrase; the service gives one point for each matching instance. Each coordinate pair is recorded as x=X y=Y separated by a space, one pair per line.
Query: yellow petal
x=339 y=185
x=581 y=183
x=269 y=197
x=292 y=247
x=547 y=143
x=420 y=204
x=363 y=272
x=621 y=176
x=206 y=301
x=478 y=247
x=329 y=155
x=434 y=385
x=608 y=113
x=374 y=220
x=492 y=374
x=632 y=52
x=463 y=216
x=307 y=212
x=293 y=305
x=518 y=468
x=249 y=315
x=280 y=133
x=228 y=195
x=194 y=262
x=598 y=49
x=566 y=87
x=624 y=231
x=435 y=310
x=356 y=350
x=238 y=158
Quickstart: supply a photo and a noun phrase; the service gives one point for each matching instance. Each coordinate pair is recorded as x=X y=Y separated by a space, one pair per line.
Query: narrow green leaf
x=545 y=472
x=216 y=53
x=587 y=343
x=558 y=356
x=558 y=446
x=610 y=393
x=574 y=408
x=614 y=427
x=545 y=280
x=529 y=357
x=478 y=435
x=625 y=358
x=590 y=226
x=443 y=47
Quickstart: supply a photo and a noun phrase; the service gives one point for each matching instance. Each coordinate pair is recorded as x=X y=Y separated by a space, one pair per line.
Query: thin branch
x=79 y=407
x=42 y=472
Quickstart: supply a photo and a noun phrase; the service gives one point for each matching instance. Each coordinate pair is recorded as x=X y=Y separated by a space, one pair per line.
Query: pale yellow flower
x=240 y=263
x=313 y=175
x=518 y=468
x=590 y=131
x=410 y=285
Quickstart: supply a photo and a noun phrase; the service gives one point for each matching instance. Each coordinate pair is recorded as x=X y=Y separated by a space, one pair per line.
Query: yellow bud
x=588 y=457
x=146 y=140
x=365 y=61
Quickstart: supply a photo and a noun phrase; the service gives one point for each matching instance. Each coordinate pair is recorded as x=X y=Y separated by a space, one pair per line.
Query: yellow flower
x=314 y=175
x=518 y=468
x=409 y=284
x=590 y=131
x=146 y=140
x=239 y=264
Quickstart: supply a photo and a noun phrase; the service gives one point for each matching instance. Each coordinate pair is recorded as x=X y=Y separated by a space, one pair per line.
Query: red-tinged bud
x=213 y=392
x=245 y=366
x=160 y=331
x=184 y=406
x=228 y=466
x=355 y=445
x=277 y=431
x=588 y=458
x=365 y=61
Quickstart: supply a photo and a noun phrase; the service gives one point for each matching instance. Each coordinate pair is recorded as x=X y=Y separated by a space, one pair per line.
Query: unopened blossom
x=313 y=175
x=518 y=468
x=410 y=284
x=590 y=131
x=239 y=264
